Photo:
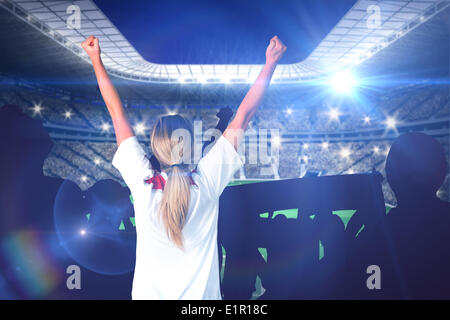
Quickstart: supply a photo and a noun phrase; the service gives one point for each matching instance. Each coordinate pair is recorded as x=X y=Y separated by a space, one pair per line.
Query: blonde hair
x=172 y=149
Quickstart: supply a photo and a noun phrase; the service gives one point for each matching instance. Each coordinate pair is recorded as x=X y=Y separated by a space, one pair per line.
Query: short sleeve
x=219 y=165
x=131 y=161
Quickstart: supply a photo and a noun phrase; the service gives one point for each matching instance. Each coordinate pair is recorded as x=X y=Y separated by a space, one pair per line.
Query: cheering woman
x=176 y=210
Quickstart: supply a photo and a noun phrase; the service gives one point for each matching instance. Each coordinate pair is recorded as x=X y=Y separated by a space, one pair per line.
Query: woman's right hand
x=91 y=46
x=275 y=51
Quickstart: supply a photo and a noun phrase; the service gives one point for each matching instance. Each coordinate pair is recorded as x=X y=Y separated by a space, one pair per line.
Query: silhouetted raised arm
x=235 y=130
x=121 y=125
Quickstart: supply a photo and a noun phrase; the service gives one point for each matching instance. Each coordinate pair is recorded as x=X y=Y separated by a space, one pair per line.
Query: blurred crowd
x=86 y=162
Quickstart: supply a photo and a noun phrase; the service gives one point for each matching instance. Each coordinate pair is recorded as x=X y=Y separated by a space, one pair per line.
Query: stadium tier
x=318 y=136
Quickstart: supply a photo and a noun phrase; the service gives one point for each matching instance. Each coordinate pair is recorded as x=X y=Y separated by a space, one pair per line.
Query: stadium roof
x=357 y=37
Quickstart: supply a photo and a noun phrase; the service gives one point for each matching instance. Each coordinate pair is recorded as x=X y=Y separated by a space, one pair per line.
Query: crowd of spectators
x=86 y=162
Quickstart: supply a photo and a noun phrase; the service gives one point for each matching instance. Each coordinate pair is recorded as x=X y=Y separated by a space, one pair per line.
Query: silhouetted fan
x=295 y=267
x=24 y=146
x=416 y=165
x=331 y=232
x=224 y=116
x=412 y=246
x=26 y=197
x=420 y=224
x=27 y=201
x=292 y=258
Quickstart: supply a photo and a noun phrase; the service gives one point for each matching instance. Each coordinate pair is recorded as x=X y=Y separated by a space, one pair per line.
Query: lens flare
x=343 y=82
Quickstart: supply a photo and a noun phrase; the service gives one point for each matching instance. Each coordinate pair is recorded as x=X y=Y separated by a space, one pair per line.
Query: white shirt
x=163 y=271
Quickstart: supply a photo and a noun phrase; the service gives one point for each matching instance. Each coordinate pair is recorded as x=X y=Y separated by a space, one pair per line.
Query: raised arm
x=120 y=122
x=236 y=129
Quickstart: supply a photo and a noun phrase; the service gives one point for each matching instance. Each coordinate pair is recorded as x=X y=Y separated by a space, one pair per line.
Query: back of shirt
x=164 y=271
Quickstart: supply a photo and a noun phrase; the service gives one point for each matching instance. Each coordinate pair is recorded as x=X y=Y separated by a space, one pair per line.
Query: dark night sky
x=216 y=32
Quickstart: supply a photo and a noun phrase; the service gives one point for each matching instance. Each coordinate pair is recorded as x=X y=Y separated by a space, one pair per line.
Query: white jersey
x=163 y=271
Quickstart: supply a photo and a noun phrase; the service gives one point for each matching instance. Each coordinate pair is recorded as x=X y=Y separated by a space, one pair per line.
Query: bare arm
x=235 y=130
x=121 y=125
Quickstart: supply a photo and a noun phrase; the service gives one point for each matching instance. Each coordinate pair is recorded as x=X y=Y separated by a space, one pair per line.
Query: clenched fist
x=275 y=51
x=91 y=46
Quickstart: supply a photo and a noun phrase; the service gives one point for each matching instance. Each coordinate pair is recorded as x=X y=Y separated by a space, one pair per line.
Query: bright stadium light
x=67 y=114
x=391 y=123
x=83 y=232
x=97 y=161
x=83 y=178
x=37 y=109
x=305 y=158
x=334 y=114
x=105 y=127
x=276 y=141
x=289 y=111
x=342 y=82
x=139 y=128
x=325 y=145
x=345 y=153
x=376 y=150
x=306 y=146
x=367 y=119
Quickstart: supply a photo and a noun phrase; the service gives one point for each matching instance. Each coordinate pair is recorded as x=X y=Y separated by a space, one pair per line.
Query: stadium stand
x=86 y=158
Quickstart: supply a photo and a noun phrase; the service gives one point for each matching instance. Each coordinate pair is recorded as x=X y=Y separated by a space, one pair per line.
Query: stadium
x=323 y=121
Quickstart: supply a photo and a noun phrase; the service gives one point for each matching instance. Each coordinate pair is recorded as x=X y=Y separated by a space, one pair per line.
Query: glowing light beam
x=343 y=82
